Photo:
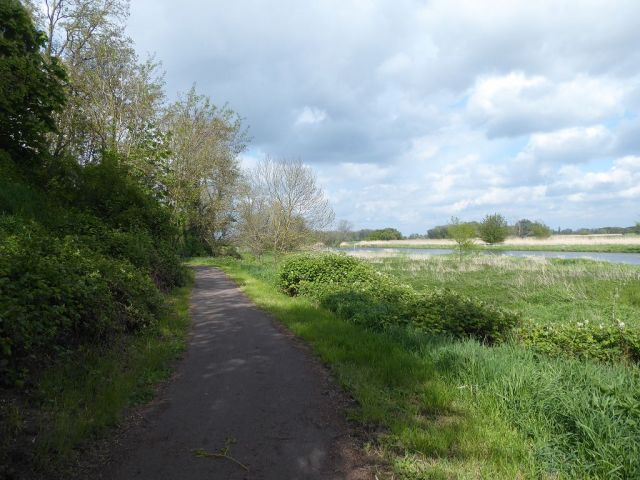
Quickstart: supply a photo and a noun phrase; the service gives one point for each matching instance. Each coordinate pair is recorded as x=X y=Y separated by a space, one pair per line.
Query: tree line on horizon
x=492 y=229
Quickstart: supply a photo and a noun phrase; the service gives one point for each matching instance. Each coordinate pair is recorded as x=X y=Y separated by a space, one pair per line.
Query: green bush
x=353 y=290
x=56 y=294
x=450 y=312
x=298 y=271
x=493 y=229
x=607 y=342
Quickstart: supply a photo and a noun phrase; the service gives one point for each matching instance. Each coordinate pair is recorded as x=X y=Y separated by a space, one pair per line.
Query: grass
x=77 y=401
x=543 y=290
x=458 y=409
x=556 y=243
x=595 y=248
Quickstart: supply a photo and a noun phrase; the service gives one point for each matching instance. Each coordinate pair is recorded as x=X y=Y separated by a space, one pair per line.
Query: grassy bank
x=544 y=290
x=594 y=248
x=80 y=398
x=458 y=409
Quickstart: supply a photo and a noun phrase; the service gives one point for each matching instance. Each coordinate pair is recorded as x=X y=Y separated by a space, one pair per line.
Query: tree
x=343 y=232
x=385 y=234
x=113 y=97
x=31 y=88
x=204 y=173
x=281 y=207
x=438 y=232
x=540 y=230
x=523 y=228
x=493 y=229
x=463 y=234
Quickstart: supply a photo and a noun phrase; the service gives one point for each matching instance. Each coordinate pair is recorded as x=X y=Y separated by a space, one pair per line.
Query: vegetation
x=463 y=234
x=577 y=308
x=458 y=409
x=493 y=229
x=354 y=291
x=89 y=230
x=540 y=230
x=203 y=180
x=384 y=234
x=281 y=207
x=87 y=394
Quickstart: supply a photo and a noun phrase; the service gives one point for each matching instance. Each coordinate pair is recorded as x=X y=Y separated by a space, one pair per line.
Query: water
x=627 y=258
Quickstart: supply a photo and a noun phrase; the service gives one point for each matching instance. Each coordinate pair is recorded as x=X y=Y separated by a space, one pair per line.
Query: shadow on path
x=243 y=382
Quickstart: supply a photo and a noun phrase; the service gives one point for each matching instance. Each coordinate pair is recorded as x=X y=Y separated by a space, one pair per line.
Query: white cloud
x=310 y=116
x=569 y=145
x=517 y=104
x=412 y=110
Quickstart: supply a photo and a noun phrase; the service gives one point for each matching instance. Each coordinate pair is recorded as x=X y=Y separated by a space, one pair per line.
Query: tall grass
x=543 y=290
x=458 y=409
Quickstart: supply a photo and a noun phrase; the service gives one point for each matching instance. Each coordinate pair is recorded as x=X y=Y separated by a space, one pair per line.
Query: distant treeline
x=522 y=228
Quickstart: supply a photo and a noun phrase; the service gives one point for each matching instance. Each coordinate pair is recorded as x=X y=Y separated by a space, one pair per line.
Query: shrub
x=446 y=311
x=384 y=234
x=56 y=294
x=298 y=271
x=607 y=342
x=493 y=229
x=354 y=291
x=540 y=230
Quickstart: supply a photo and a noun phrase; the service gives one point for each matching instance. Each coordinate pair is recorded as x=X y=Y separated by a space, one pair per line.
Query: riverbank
x=445 y=408
x=557 y=243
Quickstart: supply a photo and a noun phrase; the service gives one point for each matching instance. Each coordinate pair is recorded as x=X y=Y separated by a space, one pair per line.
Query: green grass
x=457 y=409
x=543 y=290
x=595 y=248
x=80 y=399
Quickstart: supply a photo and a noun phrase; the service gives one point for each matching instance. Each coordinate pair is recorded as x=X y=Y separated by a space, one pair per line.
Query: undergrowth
x=447 y=408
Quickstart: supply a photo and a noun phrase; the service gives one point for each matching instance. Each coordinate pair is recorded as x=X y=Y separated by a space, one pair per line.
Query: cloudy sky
x=413 y=111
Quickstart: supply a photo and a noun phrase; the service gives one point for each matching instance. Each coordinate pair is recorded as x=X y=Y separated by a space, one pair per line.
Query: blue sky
x=411 y=112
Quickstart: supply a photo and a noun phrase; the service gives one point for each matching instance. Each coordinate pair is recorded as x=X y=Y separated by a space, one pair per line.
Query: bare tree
x=281 y=207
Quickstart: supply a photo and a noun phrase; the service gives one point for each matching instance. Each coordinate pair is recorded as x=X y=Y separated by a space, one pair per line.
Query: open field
x=568 y=243
x=444 y=408
x=541 y=289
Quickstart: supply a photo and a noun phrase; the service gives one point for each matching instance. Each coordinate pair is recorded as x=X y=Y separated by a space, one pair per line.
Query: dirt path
x=247 y=383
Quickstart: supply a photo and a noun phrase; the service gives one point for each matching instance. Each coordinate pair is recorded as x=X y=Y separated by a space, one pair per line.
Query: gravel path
x=248 y=384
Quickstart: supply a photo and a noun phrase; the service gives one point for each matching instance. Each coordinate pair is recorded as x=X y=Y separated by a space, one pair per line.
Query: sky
x=411 y=112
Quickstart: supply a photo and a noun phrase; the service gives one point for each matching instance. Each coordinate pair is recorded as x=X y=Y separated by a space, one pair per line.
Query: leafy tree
x=439 y=232
x=113 y=97
x=343 y=232
x=204 y=173
x=31 y=88
x=523 y=228
x=540 y=230
x=463 y=234
x=493 y=229
x=385 y=234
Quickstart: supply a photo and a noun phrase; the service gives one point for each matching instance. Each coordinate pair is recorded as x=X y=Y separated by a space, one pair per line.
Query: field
x=444 y=408
x=543 y=290
x=566 y=243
